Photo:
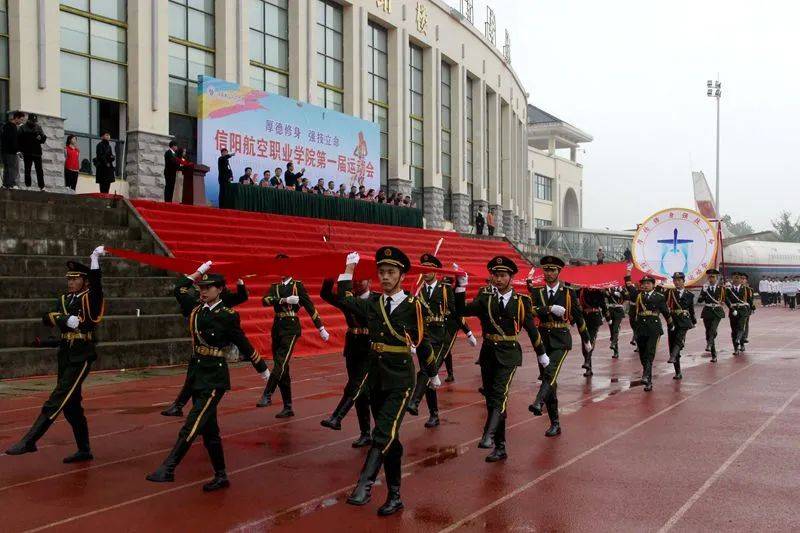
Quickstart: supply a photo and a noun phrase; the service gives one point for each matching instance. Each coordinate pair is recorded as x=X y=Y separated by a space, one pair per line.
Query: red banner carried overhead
x=603 y=276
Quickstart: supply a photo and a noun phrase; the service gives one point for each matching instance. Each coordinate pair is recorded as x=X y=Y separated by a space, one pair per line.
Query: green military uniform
x=747 y=322
x=631 y=291
x=229 y=299
x=356 y=356
x=439 y=303
x=503 y=317
x=681 y=308
x=76 y=353
x=615 y=313
x=739 y=300
x=396 y=326
x=212 y=328
x=647 y=307
x=713 y=298
x=593 y=308
x=557 y=339
x=285 y=332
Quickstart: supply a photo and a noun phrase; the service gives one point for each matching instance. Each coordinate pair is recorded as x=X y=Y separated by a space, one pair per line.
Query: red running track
x=717 y=451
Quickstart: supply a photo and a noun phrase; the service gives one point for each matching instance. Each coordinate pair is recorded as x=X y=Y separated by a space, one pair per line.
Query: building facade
x=452 y=112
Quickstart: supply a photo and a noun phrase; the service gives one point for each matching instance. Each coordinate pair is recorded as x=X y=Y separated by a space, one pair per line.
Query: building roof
x=540 y=116
x=543 y=126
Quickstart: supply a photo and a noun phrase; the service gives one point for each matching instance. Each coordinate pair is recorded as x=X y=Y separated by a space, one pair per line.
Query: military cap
x=76 y=270
x=738 y=273
x=712 y=271
x=627 y=278
x=501 y=263
x=647 y=277
x=211 y=280
x=551 y=260
x=430 y=260
x=679 y=275
x=389 y=255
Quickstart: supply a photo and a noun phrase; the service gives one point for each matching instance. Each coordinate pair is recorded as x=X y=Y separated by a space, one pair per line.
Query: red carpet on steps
x=203 y=233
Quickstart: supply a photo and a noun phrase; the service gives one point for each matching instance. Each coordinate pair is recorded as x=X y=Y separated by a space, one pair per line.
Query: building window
x=4 y=67
x=544 y=188
x=269 y=45
x=470 y=135
x=191 y=54
x=541 y=222
x=330 y=55
x=378 y=90
x=486 y=143
x=447 y=173
x=94 y=74
x=416 y=124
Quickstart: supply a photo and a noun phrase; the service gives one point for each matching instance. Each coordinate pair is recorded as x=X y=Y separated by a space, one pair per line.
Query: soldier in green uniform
x=286 y=298
x=213 y=327
x=745 y=340
x=77 y=315
x=739 y=299
x=503 y=315
x=648 y=305
x=615 y=312
x=356 y=357
x=680 y=303
x=396 y=322
x=455 y=324
x=229 y=299
x=631 y=291
x=593 y=308
x=557 y=308
x=712 y=296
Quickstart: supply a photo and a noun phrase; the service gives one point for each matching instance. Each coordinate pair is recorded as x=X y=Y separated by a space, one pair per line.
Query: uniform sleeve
x=94 y=305
x=474 y=308
x=530 y=326
x=327 y=294
x=308 y=305
x=56 y=318
x=271 y=298
x=240 y=340
x=348 y=301
x=691 y=307
x=463 y=326
x=232 y=299
x=186 y=295
x=577 y=317
x=664 y=310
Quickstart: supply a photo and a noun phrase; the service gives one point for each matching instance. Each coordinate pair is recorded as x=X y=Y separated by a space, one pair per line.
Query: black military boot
x=538 y=404
x=419 y=392
x=678 y=374
x=615 y=349
x=363 y=491
x=555 y=426
x=492 y=423
x=433 y=419
x=673 y=354
x=80 y=429
x=266 y=396
x=713 y=354
x=175 y=409
x=217 y=457
x=27 y=444
x=335 y=420
x=499 y=452
x=392 y=469
x=363 y=440
x=166 y=472
x=587 y=364
x=362 y=411
x=433 y=405
x=286 y=395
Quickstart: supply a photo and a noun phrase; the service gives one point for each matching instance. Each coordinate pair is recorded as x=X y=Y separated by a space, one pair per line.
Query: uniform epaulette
x=411 y=299
x=184 y=290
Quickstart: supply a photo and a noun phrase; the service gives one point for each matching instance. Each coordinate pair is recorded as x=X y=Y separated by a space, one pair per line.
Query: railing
x=582 y=244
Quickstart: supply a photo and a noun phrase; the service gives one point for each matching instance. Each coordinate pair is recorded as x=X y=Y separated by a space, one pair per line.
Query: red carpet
x=200 y=233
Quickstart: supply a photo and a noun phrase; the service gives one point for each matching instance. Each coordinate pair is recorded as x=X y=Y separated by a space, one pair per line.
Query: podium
x=194 y=186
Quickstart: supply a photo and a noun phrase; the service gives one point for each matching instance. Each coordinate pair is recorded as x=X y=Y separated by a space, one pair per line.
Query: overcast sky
x=632 y=73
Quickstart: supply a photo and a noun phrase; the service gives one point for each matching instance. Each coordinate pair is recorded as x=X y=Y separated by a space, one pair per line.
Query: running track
x=717 y=451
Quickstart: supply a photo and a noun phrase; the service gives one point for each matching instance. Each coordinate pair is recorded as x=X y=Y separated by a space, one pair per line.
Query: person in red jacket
x=72 y=160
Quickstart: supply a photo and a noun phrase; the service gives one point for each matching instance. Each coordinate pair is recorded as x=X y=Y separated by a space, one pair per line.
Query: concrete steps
x=53 y=265
x=36 y=307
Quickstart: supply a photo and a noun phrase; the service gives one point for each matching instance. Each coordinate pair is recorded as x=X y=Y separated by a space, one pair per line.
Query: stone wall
x=52 y=155
x=460 y=212
x=508 y=225
x=498 y=218
x=433 y=202
x=399 y=185
x=144 y=164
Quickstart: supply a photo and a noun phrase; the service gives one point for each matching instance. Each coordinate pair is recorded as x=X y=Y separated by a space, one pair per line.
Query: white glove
x=100 y=250
x=471 y=339
x=413 y=349
x=617 y=294
x=672 y=328
x=73 y=322
x=324 y=334
x=352 y=258
x=588 y=346
x=292 y=300
x=264 y=375
x=462 y=281
x=204 y=267
x=734 y=312
x=436 y=382
x=240 y=281
x=705 y=286
x=544 y=360
x=557 y=310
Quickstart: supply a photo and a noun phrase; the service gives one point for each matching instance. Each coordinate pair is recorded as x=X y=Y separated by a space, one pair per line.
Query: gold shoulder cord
x=389 y=324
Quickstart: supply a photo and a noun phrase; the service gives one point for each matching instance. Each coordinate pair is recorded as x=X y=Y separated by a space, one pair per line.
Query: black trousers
x=357 y=364
x=388 y=408
x=10 y=170
x=71 y=178
x=105 y=186
x=169 y=187
x=648 y=344
x=738 y=325
x=593 y=323
x=440 y=352
x=676 y=340
x=711 y=324
x=36 y=161
x=202 y=420
x=614 y=327
x=479 y=228
x=282 y=348
x=491 y=230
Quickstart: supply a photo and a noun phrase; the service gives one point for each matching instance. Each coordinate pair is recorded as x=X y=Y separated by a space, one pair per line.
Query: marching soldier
x=456 y=323
x=285 y=298
x=593 y=307
x=712 y=296
x=680 y=303
x=739 y=298
x=648 y=305
x=503 y=316
x=745 y=340
x=396 y=322
x=229 y=299
x=557 y=308
x=77 y=315
x=631 y=291
x=213 y=328
x=356 y=358
x=615 y=313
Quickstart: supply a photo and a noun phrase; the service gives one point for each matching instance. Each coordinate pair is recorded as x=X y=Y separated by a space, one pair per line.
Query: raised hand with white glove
x=324 y=334
x=543 y=359
x=350 y=266
x=558 y=310
x=73 y=322
x=291 y=300
x=471 y=339
x=95 y=257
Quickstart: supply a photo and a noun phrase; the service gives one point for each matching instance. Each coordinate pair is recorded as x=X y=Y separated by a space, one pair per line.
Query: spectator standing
x=265 y=181
x=370 y=195
x=171 y=166
x=224 y=174
x=104 y=164
x=31 y=138
x=490 y=221
x=331 y=188
x=302 y=185
x=72 y=157
x=601 y=256
x=362 y=192
x=480 y=221
x=381 y=198
x=342 y=193
x=247 y=178
x=10 y=141
x=353 y=192
x=319 y=188
x=291 y=178
x=278 y=174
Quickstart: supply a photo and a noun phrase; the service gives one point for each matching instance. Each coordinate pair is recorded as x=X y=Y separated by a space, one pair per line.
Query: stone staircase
x=39 y=233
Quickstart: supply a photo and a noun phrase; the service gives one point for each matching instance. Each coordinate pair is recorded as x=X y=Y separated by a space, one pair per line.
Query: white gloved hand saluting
x=264 y=375
x=558 y=310
x=543 y=359
x=95 y=257
x=202 y=269
x=100 y=250
x=352 y=259
x=73 y=322
x=324 y=334
x=471 y=339
x=291 y=300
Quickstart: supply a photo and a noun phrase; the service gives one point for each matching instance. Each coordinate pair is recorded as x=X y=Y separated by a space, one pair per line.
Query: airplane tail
x=703 y=199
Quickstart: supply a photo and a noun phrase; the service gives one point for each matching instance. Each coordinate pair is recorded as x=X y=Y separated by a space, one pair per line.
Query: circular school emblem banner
x=675 y=240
